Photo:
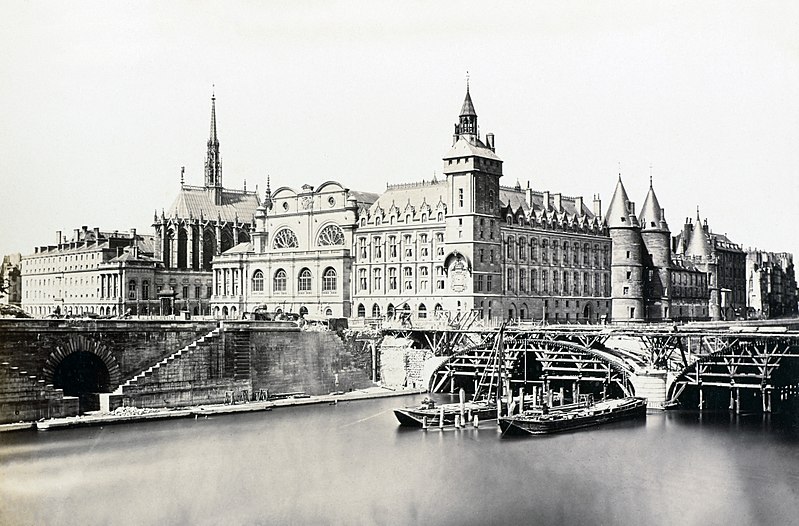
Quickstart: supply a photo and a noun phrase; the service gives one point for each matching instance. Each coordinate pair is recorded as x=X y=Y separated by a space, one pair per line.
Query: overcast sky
x=102 y=103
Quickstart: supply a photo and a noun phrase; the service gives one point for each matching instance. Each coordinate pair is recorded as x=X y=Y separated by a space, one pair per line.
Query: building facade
x=771 y=284
x=696 y=275
x=11 y=280
x=460 y=245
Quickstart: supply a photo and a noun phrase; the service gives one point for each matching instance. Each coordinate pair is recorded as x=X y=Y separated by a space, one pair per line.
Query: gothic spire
x=467 y=122
x=213 y=161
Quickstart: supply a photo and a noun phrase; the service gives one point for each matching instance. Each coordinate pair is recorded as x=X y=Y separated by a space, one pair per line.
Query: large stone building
x=462 y=244
x=771 y=283
x=696 y=275
x=112 y=274
x=65 y=277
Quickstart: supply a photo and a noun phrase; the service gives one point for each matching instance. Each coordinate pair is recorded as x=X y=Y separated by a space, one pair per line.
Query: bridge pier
x=701 y=399
x=737 y=400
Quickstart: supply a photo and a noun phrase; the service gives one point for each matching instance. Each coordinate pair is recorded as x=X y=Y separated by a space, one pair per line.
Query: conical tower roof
x=699 y=244
x=651 y=216
x=468 y=107
x=618 y=211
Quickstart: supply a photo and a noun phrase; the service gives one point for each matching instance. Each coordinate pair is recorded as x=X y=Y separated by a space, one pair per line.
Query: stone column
x=218 y=239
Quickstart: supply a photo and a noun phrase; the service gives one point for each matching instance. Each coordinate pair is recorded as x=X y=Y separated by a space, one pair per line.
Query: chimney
x=57 y=237
x=528 y=194
x=578 y=205
x=490 y=141
x=545 y=200
x=597 y=206
x=76 y=234
x=557 y=205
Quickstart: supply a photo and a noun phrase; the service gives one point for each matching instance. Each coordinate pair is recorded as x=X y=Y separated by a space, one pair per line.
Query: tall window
x=488 y=283
x=586 y=254
x=460 y=197
x=145 y=290
x=279 y=284
x=257 y=281
x=378 y=274
x=361 y=311
x=392 y=278
x=392 y=246
x=522 y=248
x=545 y=281
x=522 y=281
x=329 y=280
x=510 y=279
x=362 y=248
x=510 y=248
x=132 y=289
x=545 y=250
x=362 y=284
x=304 y=281
x=534 y=281
x=375 y=311
x=534 y=249
x=378 y=248
x=576 y=254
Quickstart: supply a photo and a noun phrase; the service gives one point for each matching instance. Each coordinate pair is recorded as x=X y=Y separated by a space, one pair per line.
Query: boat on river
x=585 y=413
x=483 y=404
x=431 y=414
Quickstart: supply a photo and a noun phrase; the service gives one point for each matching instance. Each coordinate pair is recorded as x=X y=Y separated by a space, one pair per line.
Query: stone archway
x=82 y=366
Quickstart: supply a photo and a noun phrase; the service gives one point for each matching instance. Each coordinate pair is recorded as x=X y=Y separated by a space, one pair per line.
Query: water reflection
x=352 y=464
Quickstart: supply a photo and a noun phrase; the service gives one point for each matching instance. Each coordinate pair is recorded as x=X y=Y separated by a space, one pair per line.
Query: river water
x=351 y=464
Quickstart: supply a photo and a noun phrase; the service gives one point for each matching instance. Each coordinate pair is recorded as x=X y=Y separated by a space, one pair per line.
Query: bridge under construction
x=743 y=367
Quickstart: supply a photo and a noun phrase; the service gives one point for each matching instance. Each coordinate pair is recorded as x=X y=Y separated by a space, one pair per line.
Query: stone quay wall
x=170 y=363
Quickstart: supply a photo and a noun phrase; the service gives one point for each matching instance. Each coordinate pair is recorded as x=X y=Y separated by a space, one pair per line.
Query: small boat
x=431 y=414
x=575 y=416
x=483 y=404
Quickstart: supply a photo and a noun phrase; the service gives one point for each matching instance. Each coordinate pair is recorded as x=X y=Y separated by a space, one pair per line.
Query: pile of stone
x=132 y=411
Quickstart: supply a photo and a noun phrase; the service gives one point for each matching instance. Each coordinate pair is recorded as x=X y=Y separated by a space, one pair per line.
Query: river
x=351 y=464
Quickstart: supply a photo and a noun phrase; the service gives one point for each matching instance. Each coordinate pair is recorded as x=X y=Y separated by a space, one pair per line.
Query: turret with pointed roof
x=627 y=286
x=657 y=258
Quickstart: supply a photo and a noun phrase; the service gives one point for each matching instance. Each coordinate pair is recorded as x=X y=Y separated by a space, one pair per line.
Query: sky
x=103 y=102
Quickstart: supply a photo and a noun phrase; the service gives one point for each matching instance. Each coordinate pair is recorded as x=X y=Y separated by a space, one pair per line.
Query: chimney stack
x=545 y=200
x=490 y=141
x=597 y=206
x=557 y=198
x=578 y=205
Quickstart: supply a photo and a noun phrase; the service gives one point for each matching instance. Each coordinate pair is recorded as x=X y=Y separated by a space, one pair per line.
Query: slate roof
x=194 y=201
x=517 y=199
x=464 y=148
x=416 y=193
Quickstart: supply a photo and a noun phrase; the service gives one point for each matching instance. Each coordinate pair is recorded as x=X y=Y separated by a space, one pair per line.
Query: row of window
x=552 y=283
x=392 y=246
x=304 y=281
x=331 y=235
x=408 y=279
x=392 y=218
x=391 y=311
x=564 y=251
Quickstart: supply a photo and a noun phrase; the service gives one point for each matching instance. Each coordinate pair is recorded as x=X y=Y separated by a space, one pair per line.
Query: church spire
x=213 y=161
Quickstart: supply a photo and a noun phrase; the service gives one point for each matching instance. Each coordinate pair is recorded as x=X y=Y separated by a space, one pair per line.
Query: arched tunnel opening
x=83 y=374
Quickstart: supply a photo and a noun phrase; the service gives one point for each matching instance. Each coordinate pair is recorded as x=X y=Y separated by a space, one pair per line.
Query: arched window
x=422 y=311
x=257 y=281
x=438 y=310
x=331 y=235
x=304 y=281
x=390 y=310
x=132 y=289
x=285 y=238
x=279 y=284
x=303 y=311
x=361 y=311
x=328 y=280
x=328 y=312
x=375 y=311
x=145 y=290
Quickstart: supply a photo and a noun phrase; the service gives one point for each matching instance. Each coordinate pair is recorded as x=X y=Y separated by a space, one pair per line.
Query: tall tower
x=626 y=267
x=213 y=161
x=657 y=258
x=473 y=235
x=700 y=251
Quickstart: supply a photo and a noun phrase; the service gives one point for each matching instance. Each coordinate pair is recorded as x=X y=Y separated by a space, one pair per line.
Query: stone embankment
x=122 y=415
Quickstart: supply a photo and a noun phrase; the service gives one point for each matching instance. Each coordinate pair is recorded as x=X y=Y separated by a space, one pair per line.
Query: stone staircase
x=153 y=373
x=652 y=386
x=241 y=355
x=25 y=396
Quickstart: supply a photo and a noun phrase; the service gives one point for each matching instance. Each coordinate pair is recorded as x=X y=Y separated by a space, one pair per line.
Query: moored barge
x=586 y=414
